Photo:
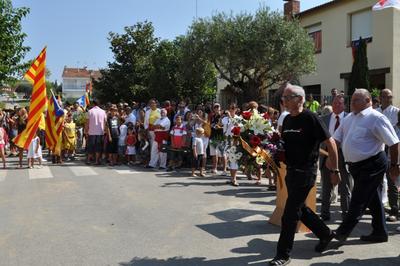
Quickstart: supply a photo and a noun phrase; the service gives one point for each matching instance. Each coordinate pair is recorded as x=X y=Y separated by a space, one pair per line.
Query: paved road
x=79 y=215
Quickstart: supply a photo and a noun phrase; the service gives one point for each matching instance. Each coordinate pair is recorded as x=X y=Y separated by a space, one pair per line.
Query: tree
x=359 y=77
x=196 y=75
x=127 y=77
x=163 y=77
x=12 y=50
x=146 y=67
x=180 y=71
x=254 y=52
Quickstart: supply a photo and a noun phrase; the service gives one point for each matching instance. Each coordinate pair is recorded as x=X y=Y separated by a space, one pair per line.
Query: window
x=361 y=25
x=315 y=33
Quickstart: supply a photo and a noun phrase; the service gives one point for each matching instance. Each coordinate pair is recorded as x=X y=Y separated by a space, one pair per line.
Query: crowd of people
x=169 y=136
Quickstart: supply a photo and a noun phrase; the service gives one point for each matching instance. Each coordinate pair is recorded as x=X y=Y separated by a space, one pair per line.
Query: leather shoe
x=324 y=242
x=374 y=238
x=391 y=218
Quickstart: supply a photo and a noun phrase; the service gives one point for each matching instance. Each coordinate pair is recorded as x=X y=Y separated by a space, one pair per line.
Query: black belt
x=368 y=160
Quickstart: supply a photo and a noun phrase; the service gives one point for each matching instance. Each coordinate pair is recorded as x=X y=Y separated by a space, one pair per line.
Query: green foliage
x=253 y=52
x=359 y=72
x=12 y=50
x=146 y=67
x=2 y=105
x=80 y=119
x=375 y=93
x=128 y=76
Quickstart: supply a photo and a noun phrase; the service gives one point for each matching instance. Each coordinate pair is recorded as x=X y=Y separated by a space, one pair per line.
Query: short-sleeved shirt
x=178 y=136
x=113 y=124
x=302 y=135
x=97 y=117
x=228 y=124
x=131 y=118
x=198 y=145
x=391 y=113
x=362 y=135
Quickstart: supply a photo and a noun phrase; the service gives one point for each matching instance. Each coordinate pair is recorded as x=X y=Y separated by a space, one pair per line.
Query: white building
x=75 y=81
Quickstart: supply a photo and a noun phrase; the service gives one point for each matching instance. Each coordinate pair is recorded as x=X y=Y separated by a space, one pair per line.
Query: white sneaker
x=213 y=171
x=223 y=173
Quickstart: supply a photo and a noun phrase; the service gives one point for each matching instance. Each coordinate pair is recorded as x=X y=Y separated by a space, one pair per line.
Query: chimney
x=291 y=8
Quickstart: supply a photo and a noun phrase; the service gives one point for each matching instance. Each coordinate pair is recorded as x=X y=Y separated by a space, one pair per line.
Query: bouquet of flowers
x=258 y=141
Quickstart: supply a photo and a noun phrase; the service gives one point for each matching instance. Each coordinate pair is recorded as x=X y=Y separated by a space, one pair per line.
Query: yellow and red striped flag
x=54 y=125
x=37 y=105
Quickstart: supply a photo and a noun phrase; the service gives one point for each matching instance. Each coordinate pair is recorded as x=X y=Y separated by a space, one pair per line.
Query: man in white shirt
x=362 y=135
x=390 y=112
x=131 y=118
x=284 y=113
x=161 y=130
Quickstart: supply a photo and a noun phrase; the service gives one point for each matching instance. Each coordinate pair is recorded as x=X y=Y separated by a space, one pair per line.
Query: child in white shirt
x=35 y=151
x=198 y=152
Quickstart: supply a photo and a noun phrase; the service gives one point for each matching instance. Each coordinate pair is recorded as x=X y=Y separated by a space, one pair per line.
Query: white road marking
x=40 y=173
x=82 y=170
x=3 y=174
x=124 y=170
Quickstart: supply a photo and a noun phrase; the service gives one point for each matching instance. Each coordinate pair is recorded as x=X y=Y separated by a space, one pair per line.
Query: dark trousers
x=367 y=192
x=393 y=195
x=345 y=188
x=299 y=184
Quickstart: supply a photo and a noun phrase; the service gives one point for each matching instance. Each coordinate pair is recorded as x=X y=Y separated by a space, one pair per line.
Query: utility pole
x=196 y=9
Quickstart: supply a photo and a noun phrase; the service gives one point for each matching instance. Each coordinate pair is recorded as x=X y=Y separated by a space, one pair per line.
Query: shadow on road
x=257 y=252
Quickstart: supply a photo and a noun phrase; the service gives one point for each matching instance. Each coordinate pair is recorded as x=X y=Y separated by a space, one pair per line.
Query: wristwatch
x=334 y=171
x=394 y=165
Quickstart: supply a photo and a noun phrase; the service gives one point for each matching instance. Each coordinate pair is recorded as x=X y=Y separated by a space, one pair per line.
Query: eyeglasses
x=289 y=97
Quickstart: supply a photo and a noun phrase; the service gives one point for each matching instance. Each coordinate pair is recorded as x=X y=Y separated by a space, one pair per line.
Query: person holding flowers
x=302 y=133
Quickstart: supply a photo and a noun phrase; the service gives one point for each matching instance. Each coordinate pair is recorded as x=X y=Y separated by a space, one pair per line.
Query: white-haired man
x=362 y=135
x=302 y=133
x=161 y=130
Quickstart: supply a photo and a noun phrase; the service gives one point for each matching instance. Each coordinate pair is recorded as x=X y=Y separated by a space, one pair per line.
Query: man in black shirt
x=302 y=133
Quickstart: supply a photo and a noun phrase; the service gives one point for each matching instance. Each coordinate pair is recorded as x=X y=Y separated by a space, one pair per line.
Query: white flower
x=259 y=126
x=232 y=155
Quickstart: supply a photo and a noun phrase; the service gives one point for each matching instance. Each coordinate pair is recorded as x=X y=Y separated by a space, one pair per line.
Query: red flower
x=274 y=137
x=246 y=115
x=266 y=116
x=236 y=131
x=255 y=141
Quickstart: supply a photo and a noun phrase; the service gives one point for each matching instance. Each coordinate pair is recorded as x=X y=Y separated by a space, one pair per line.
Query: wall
x=336 y=56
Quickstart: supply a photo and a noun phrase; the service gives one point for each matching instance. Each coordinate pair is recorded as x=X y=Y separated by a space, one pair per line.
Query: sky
x=76 y=31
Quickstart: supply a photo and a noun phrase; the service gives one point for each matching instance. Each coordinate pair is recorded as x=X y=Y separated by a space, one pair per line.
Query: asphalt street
x=75 y=214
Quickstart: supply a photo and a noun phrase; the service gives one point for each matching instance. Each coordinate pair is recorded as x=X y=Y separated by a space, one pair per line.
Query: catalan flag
x=84 y=101
x=37 y=105
x=54 y=125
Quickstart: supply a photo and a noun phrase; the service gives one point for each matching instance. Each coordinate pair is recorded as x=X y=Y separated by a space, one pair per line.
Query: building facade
x=75 y=81
x=335 y=28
